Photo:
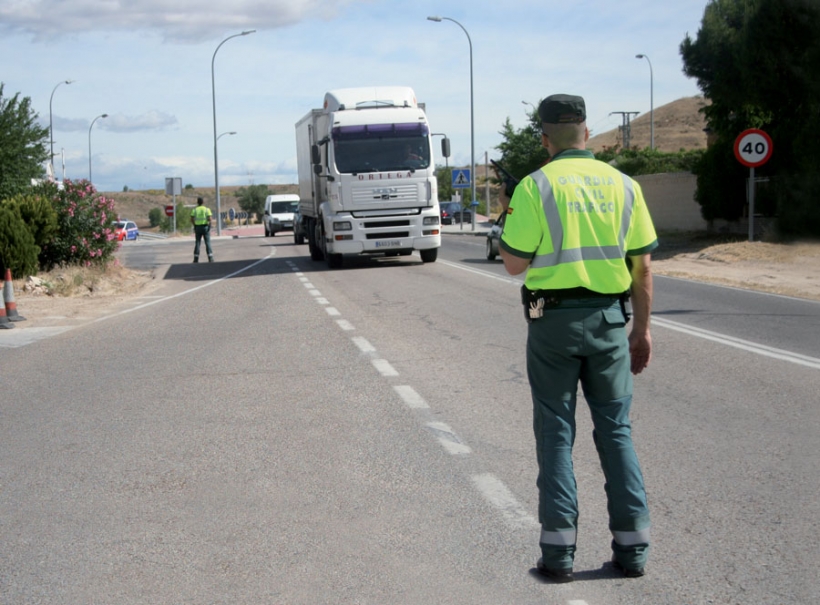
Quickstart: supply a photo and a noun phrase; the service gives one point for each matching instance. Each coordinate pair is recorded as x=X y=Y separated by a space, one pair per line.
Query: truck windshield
x=381 y=147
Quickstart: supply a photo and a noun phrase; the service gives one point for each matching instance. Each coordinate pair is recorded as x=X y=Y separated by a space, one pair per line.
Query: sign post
x=173 y=186
x=462 y=179
x=753 y=148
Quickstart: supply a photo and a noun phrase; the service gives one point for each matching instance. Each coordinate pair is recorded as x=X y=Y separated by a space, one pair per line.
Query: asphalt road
x=264 y=430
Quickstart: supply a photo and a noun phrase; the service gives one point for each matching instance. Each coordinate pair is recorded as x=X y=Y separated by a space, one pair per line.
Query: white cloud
x=177 y=20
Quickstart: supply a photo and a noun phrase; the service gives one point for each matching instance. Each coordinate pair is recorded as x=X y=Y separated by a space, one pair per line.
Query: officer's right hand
x=640 y=351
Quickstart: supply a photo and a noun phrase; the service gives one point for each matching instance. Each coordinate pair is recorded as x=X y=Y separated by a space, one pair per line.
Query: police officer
x=582 y=232
x=201 y=220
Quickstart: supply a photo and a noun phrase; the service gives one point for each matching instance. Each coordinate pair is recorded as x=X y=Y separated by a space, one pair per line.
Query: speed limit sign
x=753 y=148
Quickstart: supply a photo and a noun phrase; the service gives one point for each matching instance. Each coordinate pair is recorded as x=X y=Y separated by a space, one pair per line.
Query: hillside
x=678 y=125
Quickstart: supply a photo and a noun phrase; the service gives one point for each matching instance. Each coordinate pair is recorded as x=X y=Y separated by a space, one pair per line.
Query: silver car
x=494 y=237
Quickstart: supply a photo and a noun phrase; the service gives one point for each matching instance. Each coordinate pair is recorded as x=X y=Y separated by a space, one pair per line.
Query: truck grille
x=388 y=235
x=374 y=194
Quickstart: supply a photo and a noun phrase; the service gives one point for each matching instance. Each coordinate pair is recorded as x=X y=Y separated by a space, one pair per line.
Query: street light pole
x=472 y=112
x=102 y=115
x=51 y=125
x=216 y=157
x=651 y=101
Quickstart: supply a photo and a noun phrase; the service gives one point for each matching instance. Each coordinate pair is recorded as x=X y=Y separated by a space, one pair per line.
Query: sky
x=147 y=64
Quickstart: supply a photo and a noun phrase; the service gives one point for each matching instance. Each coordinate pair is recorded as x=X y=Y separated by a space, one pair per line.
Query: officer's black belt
x=536 y=301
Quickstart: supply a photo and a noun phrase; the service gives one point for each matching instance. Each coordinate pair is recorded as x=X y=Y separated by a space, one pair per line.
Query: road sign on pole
x=753 y=148
x=169 y=211
x=461 y=178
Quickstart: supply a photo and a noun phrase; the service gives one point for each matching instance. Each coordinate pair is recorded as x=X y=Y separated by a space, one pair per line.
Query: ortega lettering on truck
x=367 y=181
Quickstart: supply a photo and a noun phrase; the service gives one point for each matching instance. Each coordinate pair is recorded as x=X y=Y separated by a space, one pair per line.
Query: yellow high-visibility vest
x=578 y=219
x=201 y=215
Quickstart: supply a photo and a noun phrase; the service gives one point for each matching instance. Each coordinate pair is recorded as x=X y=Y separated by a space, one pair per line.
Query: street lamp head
x=436 y=19
x=105 y=115
x=69 y=81
x=247 y=31
x=639 y=56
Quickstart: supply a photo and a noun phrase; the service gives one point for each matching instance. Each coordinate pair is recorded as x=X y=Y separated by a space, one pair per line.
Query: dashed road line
x=410 y=397
x=448 y=439
x=497 y=494
x=489 y=486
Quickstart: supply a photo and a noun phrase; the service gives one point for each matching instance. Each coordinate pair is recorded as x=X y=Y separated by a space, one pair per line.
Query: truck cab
x=367 y=176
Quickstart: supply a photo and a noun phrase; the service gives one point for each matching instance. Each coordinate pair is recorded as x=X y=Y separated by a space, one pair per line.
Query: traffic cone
x=10 y=309
x=5 y=324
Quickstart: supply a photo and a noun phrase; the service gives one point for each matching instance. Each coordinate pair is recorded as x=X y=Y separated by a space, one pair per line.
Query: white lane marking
x=304 y=279
x=315 y=293
x=515 y=282
x=363 y=344
x=576 y=602
x=309 y=285
x=448 y=439
x=11 y=339
x=503 y=499
x=384 y=368
x=410 y=397
x=322 y=301
x=803 y=360
x=345 y=325
x=758 y=349
x=332 y=311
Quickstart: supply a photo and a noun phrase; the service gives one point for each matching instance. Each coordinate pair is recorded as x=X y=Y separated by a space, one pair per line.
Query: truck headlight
x=430 y=220
x=342 y=226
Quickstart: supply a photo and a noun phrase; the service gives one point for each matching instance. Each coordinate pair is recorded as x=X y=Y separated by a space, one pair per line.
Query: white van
x=278 y=214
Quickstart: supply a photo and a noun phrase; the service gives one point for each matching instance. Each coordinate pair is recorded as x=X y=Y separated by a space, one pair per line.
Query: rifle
x=509 y=180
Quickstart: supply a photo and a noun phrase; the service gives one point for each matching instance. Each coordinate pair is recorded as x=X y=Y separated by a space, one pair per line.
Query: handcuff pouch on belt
x=536 y=301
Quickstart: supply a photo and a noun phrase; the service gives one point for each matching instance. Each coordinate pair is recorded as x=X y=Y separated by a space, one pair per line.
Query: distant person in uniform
x=201 y=220
x=582 y=232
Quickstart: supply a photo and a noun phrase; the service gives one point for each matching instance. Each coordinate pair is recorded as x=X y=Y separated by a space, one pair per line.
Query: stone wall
x=671 y=201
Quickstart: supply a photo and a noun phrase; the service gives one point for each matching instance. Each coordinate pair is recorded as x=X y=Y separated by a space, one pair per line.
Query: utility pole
x=626 y=129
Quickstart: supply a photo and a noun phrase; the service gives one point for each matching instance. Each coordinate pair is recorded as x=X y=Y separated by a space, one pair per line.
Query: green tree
x=444 y=177
x=252 y=199
x=38 y=214
x=22 y=145
x=155 y=216
x=758 y=61
x=18 y=251
x=521 y=150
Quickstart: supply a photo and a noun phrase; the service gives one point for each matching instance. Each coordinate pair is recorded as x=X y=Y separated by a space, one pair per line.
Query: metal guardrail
x=151 y=235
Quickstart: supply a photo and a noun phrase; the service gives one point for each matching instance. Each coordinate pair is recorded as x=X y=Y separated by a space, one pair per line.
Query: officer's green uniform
x=577 y=219
x=202 y=228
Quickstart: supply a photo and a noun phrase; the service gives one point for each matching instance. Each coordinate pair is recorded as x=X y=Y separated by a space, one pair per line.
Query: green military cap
x=562 y=109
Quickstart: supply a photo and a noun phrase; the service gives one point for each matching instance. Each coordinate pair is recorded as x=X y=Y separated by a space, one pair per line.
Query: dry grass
x=70 y=282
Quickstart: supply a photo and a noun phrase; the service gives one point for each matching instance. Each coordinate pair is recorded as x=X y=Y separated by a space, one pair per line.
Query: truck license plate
x=390 y=243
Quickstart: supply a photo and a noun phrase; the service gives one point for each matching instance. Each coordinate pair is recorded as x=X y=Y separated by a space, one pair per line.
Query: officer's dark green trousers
x=202 y=231
x=585 y=340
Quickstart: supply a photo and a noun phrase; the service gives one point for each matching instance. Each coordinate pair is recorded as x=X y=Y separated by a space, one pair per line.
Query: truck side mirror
x=317 y=169
x=445 y=147
x=315 y=156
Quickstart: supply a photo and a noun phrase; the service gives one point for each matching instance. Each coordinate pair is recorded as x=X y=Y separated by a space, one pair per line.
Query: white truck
x=367 y=180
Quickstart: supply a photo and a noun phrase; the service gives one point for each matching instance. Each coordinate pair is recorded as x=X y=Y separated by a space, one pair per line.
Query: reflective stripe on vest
x=556 y=228
x=631 y=538
x=558 y=538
